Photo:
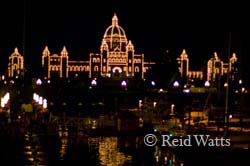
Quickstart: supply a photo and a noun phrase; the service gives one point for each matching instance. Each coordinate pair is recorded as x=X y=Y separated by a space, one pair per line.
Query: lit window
x=96 y=68
x=137 y=69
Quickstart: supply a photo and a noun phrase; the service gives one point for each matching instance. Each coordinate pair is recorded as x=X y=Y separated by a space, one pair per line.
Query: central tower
x=117 y=54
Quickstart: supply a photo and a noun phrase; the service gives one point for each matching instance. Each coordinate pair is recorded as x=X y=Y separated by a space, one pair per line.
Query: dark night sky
x=153 y=26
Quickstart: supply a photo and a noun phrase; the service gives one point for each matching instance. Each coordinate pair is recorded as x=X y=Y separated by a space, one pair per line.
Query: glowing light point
x=176 y=84
x=124 y=83
x=39 y=81
x=152 y=83
x=45 y=104
x=40 y=100
x=93 y=82
x=207 y=84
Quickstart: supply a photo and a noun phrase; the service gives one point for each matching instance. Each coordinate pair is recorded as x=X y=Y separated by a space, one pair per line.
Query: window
x=15 y=60
x=96 y=60
x=137 y=60
x=137 y=69
x=96 y=68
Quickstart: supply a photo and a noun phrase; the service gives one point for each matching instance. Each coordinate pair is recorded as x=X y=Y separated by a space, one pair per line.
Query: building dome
x=115 y=36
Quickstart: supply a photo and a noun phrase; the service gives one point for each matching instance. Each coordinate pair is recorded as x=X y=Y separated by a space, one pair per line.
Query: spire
x=215 y=56
x=104 y=42
x=233 y=59
x=130 y=46
x=46 y=51
x=115 y=20
x=184 y=51
x=104 y=45
x=184 y=54
x=64 y=51
x=16 y=51
x=234 y=55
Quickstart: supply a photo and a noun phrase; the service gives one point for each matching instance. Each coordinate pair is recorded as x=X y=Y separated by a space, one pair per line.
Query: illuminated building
x=116 y=58
x=215 y=69
x=15 y=65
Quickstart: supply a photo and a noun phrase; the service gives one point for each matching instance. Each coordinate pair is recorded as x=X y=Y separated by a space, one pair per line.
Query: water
x=69 y=148
x=39 y=145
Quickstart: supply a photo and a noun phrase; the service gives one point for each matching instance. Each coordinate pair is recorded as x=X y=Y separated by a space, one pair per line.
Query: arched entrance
x=116 y=71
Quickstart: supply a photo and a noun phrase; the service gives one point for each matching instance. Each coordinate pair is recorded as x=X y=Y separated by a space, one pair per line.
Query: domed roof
x=114 y=33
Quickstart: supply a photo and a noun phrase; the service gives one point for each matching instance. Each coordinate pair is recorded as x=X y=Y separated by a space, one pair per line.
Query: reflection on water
x=106 y=149
x=109 y=153
x=33 y=153
x=67 y=147
x=72 y=148
x=165 y=157
x=63 y=134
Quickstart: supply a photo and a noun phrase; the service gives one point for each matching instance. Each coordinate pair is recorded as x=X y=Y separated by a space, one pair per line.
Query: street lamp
x=39 y=81
x=140 y=104
x=94 y=82
x=40 y=100
x=124 y=84
x=172 y=109
x=176 y=84
x=44 y=105
x=240 y=81
x=207 y=84
x=152 y=83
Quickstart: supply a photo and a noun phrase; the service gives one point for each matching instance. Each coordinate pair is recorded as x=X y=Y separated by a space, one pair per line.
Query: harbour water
x=45 y=144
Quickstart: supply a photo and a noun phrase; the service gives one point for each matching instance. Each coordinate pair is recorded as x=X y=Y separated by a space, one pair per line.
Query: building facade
x=116 y=57
x=15 y=65
x=216 y=69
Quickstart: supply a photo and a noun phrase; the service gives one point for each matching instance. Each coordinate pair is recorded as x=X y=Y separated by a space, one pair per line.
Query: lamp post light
x=152 y=83
x=240 y=82
x=40 y=100
x=45 y=105
x=172 y=109
x=226 y=117
x=94 y=82
x=38 y=81
x=207 y=84
x=124 y=84
x=140 y=104
x=176 y=84
x=35 y=97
